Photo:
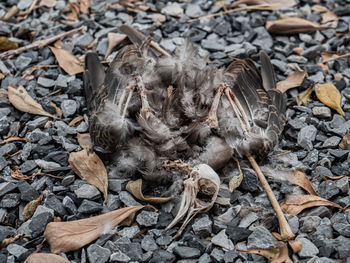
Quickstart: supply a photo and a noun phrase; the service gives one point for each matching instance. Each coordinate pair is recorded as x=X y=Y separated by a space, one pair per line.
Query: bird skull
x=200 y=192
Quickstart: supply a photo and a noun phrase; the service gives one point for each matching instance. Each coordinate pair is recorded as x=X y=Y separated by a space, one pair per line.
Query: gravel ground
x=312 y=135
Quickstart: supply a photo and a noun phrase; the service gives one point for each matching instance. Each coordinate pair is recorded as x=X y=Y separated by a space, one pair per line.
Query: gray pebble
x=308 y=249
x=223 y=241
x=261 y=238
x=69 y=107
x=98 y=254
x=147 y=218
x=306 y=136
x=321 y=112
x=87 y=191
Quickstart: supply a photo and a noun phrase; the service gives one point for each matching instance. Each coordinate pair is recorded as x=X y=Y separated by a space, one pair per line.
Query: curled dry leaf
x=300 y=179
x=67 y=61
x=329 y=95
x=345 y=142
x=304 y=97
x=89 y=167
x=296 y=245
x=293 y=25
x=135 y=188
x=275 y=255
x=72 y=235
x=297 y=203
x=29 y=209
x=46 y=257
x=113 y=40
x=6 y=44
x=292 y=81
x=22 y=101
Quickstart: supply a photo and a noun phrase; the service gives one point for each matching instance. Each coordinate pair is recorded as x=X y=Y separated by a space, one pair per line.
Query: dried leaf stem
x=41 y=43
x=285 y=230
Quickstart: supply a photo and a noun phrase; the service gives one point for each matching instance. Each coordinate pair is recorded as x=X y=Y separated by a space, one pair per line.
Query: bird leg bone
x=212 y=119
x=131 y=89
x=199 y=195
x=286 y=232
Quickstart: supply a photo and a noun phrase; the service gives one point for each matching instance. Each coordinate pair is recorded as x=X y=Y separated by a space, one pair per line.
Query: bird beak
x=200 y=192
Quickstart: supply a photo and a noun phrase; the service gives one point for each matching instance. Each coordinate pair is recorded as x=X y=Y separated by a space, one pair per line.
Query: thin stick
x=286 y=232
x=158 y=48
x=41 y=43
x=337 y=57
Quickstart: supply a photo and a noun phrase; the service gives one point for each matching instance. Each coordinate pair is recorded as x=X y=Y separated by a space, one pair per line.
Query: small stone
x=193 y=11
x=98 y=254
x=3 y=163
x=261 y=238
x=28 y=193
x=237 y=234
x=317 y=78
x=343 y=185
x=61 y=81
x=309 y=223
x=308 y=249
x=6 y=187
x=148 y=243
x=312 y=52
x=342 y=228
x=130 y=232
x=128 y=199
x=168 y=45
x=223 y=241
x=306 y=136
x=39 y=221
x=55 y=204
x=248 y=220
x=297 y=59
x=187 y=252
x=68 y=179
x=37 y=123
x=119 y=257
x=173 y=10
x=164 y=240
x=38 y=135
x=68 y=107
x=132 y=250
x=10 y=200
x=342 y=246
x=322 y=112
x=45 y=82
x=203 y=226
x=328 y=189
x=87 y=191
x=89 y=207
x=212 y=45
x=147 y=218
x=16 y=250
x=205 y=258
x=69 y=205
x=217 y=255
x=162 y=256
x=331 y=142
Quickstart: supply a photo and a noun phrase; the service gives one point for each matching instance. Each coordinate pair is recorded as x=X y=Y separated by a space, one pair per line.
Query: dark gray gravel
x=312 y=133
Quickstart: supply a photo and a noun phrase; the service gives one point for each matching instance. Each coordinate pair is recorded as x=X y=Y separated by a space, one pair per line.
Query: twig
x=337 y=57
x=41 y=43
x=158 y=48
x=286 y=232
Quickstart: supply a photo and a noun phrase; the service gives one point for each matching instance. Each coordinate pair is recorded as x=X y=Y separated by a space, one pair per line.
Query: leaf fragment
x=67 y=61
x=329 y=95
x=292 y=81
x=84 y=141
x=275 y=255
x=293 y=25
x=72 y=235
x=29 y=209
x=345 y=142
x=271 y=3
x=297 y=203
x=89 y=167
x=22 y=101
x=299 y=178
x=113 y=40
x=77 y=119
x=57 y=109
x=48 y=3
x=328 y=17
x=6 y=44
x=46 y=257
x=296 y=245
x=304 y=97
x=135 y=188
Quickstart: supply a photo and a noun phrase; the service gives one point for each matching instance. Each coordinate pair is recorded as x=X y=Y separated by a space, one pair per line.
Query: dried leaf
x=84 y=141
x=84 y=6
x=300 y=179
x=89 y=167
x=297 y=203
x=48 y=3
x=298 y=50
x=29 y=209
x=326 y=177
x=275 y=255
x=272 y=3
x=304 y=97
x=113 y=40
x=293 y=25
x=46 y=257
x=296 y=245
x=292 y=81
x=67 y=61
x=328 y=17
x=13 y=11
x=76 y=120
x=345 y=142
x=22 y=101
x=329 y=95
x=72 y=235
x=58 y=110
x=6 y=44
x=135 y=188
x=319 y=8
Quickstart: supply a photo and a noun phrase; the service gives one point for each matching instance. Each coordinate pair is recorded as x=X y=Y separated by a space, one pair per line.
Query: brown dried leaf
x=304 y=97
x=113 y=40
x=328 y=17
x=67 y=61
x=300 y=179
x=297 y=203
x=13 y=11
x=275 y=255
x=293 y=25
x=84 y=6
x=45 y=257
x=272 y=3
x=76 y=120
x=329 y=95
x=292 y=81
x=70 y=236
x=58 y=110
x=135 y=188
x=48 y=3
x=6 y=44
x=296 y=245
x=319 y=8
x=29 y=209
x=22 y=101
x=89 y=167
x=84 y=141
x=345 y=142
